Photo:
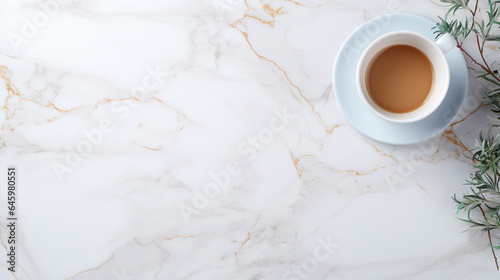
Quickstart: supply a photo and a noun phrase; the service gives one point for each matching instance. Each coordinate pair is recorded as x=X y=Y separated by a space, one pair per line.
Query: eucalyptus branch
x=460 y=30
x=480 y=207
x=491 y=244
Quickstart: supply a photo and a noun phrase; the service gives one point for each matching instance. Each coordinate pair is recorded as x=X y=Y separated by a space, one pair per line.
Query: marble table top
x=202 y=140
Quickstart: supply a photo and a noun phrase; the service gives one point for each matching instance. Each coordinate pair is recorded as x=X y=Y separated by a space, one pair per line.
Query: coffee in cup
x=403 y=76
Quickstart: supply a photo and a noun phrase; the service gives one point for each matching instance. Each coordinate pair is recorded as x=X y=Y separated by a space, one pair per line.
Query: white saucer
x=361 y=118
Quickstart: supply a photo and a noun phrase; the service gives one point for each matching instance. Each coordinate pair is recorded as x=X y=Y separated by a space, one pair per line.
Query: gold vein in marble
x=91 y=269
x=330 y=131
x=453 y=138
x=13 y=274
x=450 y=135
x=300 y=170
x=382 y=153
x=79 y=273
x=13 y=91
x=300 y=4
x=180 y=236
x=273 y=13
x=248 y=238
x=296 y=164
x=152 y=149
x=475 y=110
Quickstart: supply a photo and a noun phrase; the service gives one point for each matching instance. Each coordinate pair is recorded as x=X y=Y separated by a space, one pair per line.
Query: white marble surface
x=309 y=199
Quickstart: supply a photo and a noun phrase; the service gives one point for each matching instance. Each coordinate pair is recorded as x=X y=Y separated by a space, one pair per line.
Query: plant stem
x=481 y=50
x=475 y=9
x=489 y=236
x=480 y=46
x=487 y=69
x=459 y=45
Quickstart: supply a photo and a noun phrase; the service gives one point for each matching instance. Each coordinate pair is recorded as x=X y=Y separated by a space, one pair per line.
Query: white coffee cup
x=435 y=51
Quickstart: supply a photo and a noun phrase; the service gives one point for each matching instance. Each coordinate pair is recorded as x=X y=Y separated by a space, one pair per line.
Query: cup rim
x=431 y=107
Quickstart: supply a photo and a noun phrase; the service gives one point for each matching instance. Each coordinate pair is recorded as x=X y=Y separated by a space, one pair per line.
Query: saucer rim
x=394 y=126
